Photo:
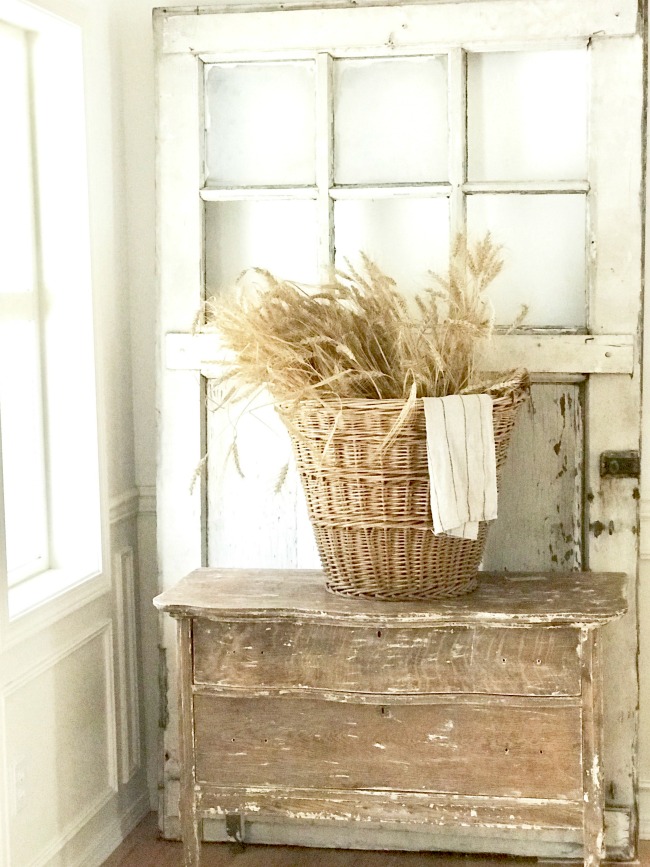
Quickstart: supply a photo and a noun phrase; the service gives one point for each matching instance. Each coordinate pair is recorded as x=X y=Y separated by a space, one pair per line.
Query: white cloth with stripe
x=462 y=463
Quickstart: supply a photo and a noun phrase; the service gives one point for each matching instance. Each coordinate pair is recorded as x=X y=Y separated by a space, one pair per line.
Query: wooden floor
x=143 y=848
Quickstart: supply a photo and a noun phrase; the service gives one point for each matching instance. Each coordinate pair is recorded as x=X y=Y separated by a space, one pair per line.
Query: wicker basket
x=370 y=505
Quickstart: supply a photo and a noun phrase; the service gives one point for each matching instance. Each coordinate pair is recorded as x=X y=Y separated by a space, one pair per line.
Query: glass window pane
x=405 y=237
x=390 y=120
x=16 y=201
x=260 y=124
x=544 y=247
x=21 y=426
x=280 y=236
x=527 y=115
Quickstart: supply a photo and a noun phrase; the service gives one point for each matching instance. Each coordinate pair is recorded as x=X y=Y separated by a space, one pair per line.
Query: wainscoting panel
x=61 y=744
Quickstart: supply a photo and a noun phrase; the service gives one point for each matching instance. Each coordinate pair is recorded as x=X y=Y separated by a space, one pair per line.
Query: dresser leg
x=592 y=748
x=190 y=824
x=190 y=829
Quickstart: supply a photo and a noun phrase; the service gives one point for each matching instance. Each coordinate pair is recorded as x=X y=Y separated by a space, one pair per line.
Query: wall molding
x=129 y=504
x=55 y=609
x=127 y=662
x=147 y=505
x=61 y=840
x=113 y=833
x=103 y=630
x=124 y=506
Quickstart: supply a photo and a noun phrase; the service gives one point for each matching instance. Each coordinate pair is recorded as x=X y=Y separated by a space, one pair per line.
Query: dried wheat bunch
x=356 y=338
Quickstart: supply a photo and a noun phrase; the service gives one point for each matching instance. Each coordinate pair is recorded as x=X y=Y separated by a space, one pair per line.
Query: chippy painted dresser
x=484 y=710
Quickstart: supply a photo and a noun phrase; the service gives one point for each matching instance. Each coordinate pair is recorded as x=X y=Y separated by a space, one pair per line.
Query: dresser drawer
x=277 y=655
x=516 y=748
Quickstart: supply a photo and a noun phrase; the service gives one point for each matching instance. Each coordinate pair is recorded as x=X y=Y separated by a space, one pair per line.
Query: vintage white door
x=291 y=139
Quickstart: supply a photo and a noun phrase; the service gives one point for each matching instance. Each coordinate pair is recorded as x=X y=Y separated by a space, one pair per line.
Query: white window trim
x=52 y=594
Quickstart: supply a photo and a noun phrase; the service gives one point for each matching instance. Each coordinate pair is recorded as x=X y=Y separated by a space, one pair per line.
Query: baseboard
x=115 y=832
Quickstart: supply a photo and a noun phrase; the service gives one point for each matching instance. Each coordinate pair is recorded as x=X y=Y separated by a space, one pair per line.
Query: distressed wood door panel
x=256 y=511
x=521 y=749
x=541 y=491
x=287 y=657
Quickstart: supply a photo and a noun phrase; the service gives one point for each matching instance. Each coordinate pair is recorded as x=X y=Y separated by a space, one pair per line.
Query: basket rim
x=514 y=396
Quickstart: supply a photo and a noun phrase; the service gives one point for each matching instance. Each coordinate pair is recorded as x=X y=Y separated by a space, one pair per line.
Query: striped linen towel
x=462 y=463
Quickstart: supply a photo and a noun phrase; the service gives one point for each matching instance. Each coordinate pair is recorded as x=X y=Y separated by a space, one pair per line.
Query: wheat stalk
x=355 y=337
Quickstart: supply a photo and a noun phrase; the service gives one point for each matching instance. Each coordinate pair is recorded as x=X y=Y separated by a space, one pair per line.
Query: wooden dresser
x=484 y=710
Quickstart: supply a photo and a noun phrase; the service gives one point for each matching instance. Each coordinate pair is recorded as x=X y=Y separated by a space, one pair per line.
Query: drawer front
x=274 y=655
x=510 y=749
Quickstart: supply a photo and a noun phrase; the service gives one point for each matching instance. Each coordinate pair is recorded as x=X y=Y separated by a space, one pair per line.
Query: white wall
x=69 y=681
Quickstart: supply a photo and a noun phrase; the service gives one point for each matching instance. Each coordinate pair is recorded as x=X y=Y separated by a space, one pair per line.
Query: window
x=48 y=429
x=394 y=155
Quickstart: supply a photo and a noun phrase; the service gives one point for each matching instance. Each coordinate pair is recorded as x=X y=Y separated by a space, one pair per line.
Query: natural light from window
x=48 y=427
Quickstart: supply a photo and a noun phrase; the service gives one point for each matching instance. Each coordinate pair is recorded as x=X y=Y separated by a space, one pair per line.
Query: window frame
x=76 y=571
x=459 y=189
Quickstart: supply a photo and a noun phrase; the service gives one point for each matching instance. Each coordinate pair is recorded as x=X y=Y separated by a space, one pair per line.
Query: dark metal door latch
x=620 y=465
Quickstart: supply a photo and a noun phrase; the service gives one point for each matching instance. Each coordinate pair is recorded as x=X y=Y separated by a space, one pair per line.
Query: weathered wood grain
x=145 y=848
x=287 y=710
x=280 y=656
x=538 y=353
x=592 y=750
x=541 y=491
x=300 y=595
x=189 y=819
x=617 y=230
x=250 y=522
x=412 y=808
x=561 y=353
x=529 y=749
x=408 y=25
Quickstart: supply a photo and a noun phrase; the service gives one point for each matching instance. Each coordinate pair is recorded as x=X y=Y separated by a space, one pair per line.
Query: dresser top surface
x=562 y=598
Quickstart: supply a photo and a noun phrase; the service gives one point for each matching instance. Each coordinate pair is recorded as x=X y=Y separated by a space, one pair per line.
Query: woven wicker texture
x=369 y=502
